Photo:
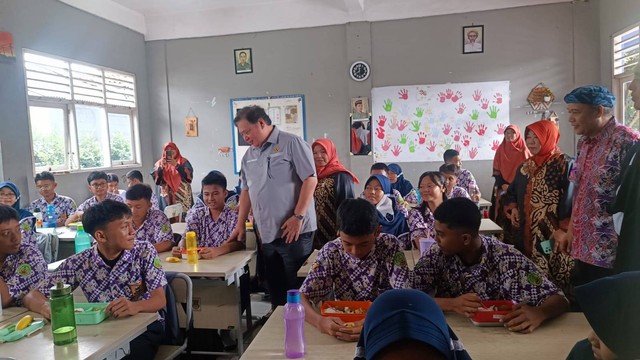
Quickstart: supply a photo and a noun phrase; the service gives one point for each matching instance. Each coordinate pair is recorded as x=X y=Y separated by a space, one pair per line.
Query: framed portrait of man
x=243 y=61
x=473 y=39
x=360 y=108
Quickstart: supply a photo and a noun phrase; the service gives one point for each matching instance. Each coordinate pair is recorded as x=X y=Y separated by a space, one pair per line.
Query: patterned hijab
x=547 y=133
x=510 y=155
x=170 y=174
x=333 y=164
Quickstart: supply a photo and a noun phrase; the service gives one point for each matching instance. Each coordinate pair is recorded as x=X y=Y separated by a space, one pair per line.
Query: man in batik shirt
x=118 y=269
x=22 y=266
x=150 y=225
x=466 y=268
x=97 y=181
x=359 y=265
x=596 y=174
x=46 y=185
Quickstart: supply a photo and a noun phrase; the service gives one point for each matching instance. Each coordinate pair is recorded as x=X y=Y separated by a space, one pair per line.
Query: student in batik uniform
x=64 y=205
x=112 y=185
x=150 y=225
x=214 y=223
x=432 y=186
x=22 y=265
x=97 y=181
x=383 y=169
x=391 y=219
x=466 y=268
x=451 y=178
x=359 y=265
x=465 y=177
x=118 y=269
x=134 y=177
x=404 y=186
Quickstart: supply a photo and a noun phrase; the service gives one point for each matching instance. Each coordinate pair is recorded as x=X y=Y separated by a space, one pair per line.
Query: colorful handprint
x=466 y=140
x=461 y=108
x=394 y=123
x=501 y=128
x=442 y=97
x=387 y=105
x=457 y=135
x=493 y=112
x=415 y=126
x=396 y=150
x=432 y=146
x=473 y=152
x=422 y=137
x=477 y=95
x=469 y=126
x=449 y=93
x=382 y=120
x=419 y=112
x=484 y=104
x=495 y=145
x=457 y=96
x=412 y=147
x=474 y=114
x=482 y=128
x=403 y=94
x=386 y=145
x=380 y=133
x=446 y=129
x=458 y=148
x=498 y=98
x=403 y=139
x=403 y=125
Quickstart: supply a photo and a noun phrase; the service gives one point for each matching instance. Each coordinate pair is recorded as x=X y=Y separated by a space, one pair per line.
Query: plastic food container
x=92 y=314
x=341 y=305
x=492 y=317
x=183 y=253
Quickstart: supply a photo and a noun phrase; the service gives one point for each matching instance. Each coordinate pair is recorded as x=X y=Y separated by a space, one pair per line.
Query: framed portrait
x=360 y=143
x=473 y=39
x=243 y=61
x=360 y=108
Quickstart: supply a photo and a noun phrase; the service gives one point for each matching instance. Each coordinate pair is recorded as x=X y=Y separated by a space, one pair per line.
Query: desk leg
x=239 y=335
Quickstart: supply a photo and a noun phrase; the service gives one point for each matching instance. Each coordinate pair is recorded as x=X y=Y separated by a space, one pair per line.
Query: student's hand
x=515 y=218
x=45 y=310
x=330 y=325
x=562 y=242
x=467 y=304
x=475 y=197
x=177 y=250
x=210 y=252
x=523 y=318
x=291 y=229
x=121 y=307
x=61 y=220
x=350 y=332
x=238 y=234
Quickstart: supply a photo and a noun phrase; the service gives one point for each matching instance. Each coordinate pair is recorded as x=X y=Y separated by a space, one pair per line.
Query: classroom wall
x=523 y=45
x=52 y=27
x=615 y=15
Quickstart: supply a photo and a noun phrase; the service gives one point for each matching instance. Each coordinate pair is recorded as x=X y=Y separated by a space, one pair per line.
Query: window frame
x=72 y=156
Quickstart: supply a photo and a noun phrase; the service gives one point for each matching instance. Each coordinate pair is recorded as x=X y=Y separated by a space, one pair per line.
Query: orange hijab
x=510 y=155
x=333 y=164
x=548 y=135
x=170 y=174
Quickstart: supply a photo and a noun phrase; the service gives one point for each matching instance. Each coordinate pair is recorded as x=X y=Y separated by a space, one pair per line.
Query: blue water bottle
x=51 y=219
x=82 y=240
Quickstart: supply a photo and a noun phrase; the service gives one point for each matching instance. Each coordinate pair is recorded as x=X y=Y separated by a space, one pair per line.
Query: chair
x=174 y=210
x=183 y=295
x=179 y=228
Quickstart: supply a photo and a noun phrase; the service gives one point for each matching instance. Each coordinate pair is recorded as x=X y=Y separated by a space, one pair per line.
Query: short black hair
x=449 y=169
x=45 y=175
x=379 y=166
x=215 y=177
x=100 y=215
x=111 y=177
x=357 y=217
x=135 y=174
x=450 y=154
x=95 y=175
x=252 y=114
x=8 y=213
x=459 y=213
x=139 y=192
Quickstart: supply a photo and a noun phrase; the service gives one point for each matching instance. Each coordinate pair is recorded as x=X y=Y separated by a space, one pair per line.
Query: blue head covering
x=402 y=185
x=23 y=213
x=384 y=182
x=407 y=314
x=397 y=225
x=591 y=95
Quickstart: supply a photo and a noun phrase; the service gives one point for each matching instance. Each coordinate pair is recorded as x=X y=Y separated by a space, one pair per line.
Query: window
x=82 y=116
x=626 y=51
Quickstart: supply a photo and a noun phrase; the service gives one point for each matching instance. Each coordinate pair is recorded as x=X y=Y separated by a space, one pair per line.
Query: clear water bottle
x=82 y=240
x=294 y=343
x=50 y=218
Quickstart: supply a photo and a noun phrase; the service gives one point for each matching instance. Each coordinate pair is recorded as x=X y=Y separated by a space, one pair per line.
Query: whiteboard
x=287 y=112
x=419 y=122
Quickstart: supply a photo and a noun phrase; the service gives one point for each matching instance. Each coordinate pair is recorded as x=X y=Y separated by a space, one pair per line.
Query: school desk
x=216 y=291
x=484 y=204
x=109 y=339
x=553 y=340
x=66 y=237
x=488 y=227
x=11 y=312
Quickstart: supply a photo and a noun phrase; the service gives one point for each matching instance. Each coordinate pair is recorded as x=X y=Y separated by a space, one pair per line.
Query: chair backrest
x=182 y=288
x=174 y=210
x=179 y=228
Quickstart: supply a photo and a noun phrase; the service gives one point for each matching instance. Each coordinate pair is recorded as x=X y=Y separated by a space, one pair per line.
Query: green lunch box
x=91 y=313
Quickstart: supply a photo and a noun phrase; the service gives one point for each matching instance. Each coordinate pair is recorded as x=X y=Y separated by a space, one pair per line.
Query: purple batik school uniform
x=64 y=205
x=23 y=271
x=458 y=192
x=467 y=181
x=503 y=273
x=134 y=276
x=155 y=229
x=155 y=204
x=211 y=233
x=336 y=275
x=93 y=201
x=421 y=225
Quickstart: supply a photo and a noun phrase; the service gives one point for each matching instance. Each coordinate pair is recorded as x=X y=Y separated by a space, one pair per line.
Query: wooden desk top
x=553 y=340
x=412 y=257
x=224 y=266
x=484 y=203
x=11 y=312
x=94 y=341
x=487 y=227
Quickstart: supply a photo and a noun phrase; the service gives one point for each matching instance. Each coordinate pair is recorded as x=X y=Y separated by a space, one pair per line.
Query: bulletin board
x=287 y=112
x=419 y=122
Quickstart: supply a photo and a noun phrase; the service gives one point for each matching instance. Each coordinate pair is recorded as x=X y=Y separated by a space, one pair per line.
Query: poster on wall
x=287 y=112
x=419 y=122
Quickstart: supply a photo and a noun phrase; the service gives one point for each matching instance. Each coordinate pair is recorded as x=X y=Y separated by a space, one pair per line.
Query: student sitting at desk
x=134 y=177
x=22 y=266
x=466 y=268
x=113 y=182
x=10 y=196
x=213 y=223
x=98 y=186
x=150 y=225
x=118 y=269
x=46 y=185
x=391 y=218
x=465 y=177
x=359 y=265
x=449 y=171
x=383 y=169
x=432 y=188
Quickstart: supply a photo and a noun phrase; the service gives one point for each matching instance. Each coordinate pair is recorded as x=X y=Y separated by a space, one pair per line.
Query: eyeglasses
x=98 y=185
x=44 y=187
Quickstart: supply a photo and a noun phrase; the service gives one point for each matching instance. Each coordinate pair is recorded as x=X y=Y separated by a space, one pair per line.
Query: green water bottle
x=63 y=320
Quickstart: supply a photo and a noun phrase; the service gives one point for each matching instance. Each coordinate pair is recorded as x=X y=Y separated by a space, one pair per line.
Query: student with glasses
x=98 y=186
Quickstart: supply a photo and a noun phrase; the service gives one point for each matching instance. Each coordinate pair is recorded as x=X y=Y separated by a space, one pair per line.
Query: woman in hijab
x=335 y=184
x=510 y=154
x=10 y=196
x=377 y=191
x=174 y=173
x=398 y=182
x=538 y=203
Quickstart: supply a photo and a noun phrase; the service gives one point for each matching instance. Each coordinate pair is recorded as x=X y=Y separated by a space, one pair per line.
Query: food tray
x=353 y=305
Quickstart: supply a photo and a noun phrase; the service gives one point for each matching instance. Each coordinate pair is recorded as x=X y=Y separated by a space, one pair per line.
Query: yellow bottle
x=192 y=248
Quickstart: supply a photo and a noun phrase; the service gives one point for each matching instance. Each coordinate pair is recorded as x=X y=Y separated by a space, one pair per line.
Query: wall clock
x=359 y=70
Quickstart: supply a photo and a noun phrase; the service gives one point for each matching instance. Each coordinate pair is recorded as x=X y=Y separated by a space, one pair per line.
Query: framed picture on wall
x=243 y=61
x=473 y=39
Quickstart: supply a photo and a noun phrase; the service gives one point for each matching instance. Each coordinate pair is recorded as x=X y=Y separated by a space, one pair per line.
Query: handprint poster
x=418 y=123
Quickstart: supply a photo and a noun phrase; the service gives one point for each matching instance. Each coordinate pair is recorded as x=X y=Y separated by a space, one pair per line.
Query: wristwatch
x=299 y=217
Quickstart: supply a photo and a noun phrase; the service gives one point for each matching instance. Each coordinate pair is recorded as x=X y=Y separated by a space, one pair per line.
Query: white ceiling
x=175 y=19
